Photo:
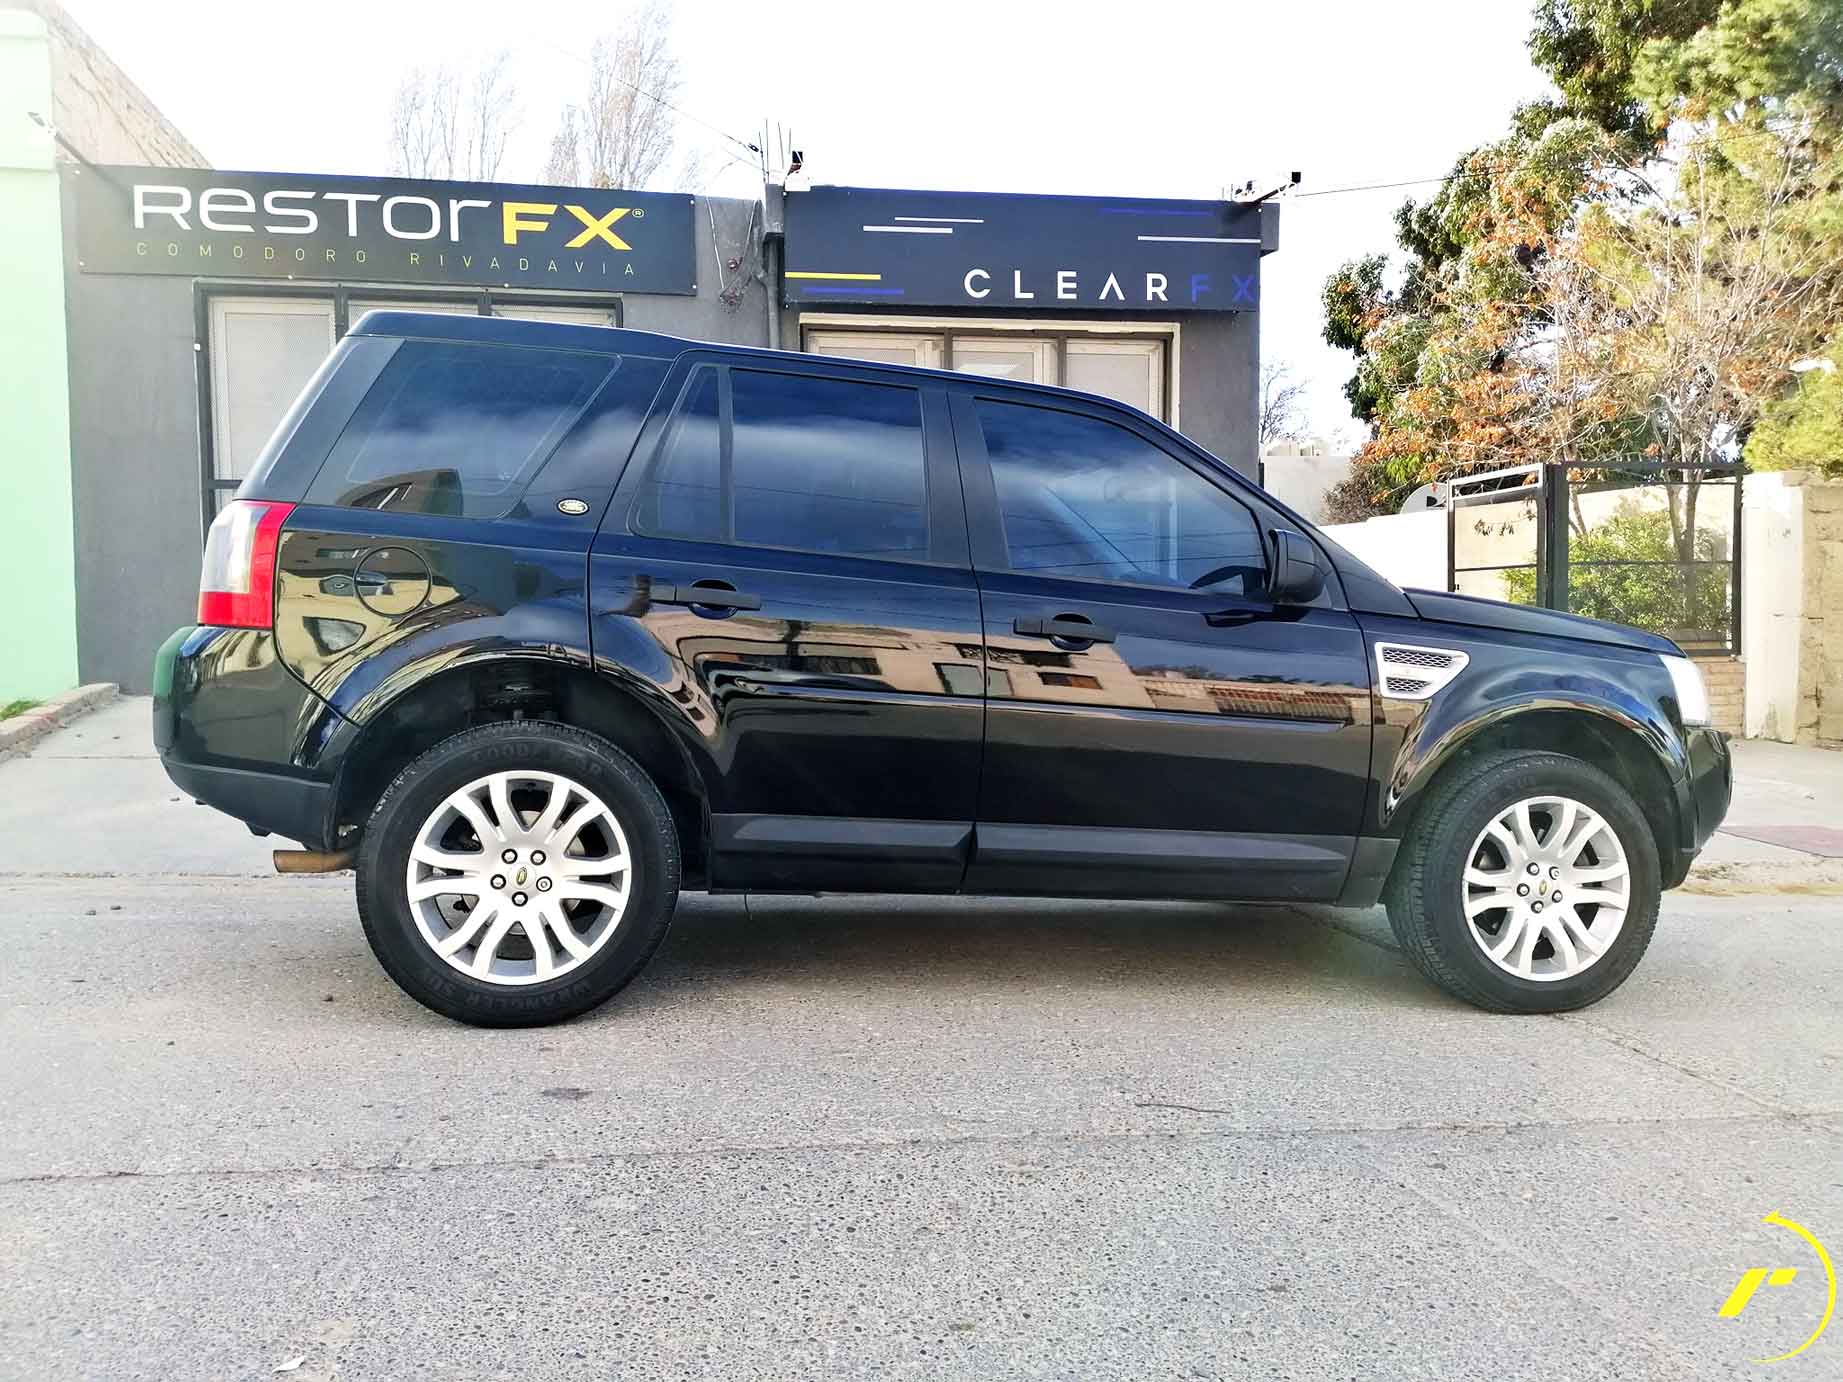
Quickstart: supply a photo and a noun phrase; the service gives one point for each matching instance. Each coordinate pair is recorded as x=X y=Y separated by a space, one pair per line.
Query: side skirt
x=837 y=854
x=1094 y=861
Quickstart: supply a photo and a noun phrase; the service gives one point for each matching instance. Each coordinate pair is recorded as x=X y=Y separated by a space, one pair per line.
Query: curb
x=36 y=723
x=1817 y=877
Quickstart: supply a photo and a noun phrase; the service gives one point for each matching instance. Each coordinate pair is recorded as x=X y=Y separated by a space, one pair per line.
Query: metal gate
x=1634 y=541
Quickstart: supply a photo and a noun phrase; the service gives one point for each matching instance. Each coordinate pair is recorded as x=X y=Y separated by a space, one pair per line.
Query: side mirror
x=1298 y=569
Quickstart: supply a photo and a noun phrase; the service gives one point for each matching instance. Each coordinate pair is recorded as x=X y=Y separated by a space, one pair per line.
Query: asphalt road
x=851 y=1137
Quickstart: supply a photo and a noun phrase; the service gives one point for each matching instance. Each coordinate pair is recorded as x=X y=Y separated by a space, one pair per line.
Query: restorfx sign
x=982 y=249
x=205 y=223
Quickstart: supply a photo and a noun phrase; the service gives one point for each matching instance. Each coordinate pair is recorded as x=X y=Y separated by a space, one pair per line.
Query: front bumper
x=236 y=730
x=1702 y=799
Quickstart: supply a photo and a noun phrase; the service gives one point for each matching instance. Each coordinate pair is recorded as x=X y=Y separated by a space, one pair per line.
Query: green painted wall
x=38 y=596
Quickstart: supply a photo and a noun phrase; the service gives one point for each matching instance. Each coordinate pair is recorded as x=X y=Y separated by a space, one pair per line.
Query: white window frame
x=1172 y=331
x=357 y=304
x=1156 y=364
x=223 y=306
x=1041 y=349
x=926 y=344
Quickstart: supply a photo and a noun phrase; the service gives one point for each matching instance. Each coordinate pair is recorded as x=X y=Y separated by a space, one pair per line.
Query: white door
x=1129 y=371
x=883 y=347
x=263 y=352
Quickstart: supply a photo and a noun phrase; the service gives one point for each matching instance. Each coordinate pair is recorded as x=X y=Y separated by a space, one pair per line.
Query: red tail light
x=236 y=588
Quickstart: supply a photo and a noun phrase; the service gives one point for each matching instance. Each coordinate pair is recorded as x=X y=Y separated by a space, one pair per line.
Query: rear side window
x=457 y=429
x=1085 y=498
x=785 y=460
x=684 y=495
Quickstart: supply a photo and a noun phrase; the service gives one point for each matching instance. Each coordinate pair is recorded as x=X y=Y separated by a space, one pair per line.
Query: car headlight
x=1692 y=695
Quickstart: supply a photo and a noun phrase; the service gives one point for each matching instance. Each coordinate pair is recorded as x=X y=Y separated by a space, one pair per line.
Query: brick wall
x=1726 y=679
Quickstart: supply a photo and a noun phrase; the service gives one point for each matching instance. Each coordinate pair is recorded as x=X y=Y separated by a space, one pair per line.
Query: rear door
x=1156 y=725
x=786 y=561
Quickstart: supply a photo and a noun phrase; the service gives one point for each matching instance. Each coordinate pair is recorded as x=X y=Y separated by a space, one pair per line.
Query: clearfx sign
x=1151 y=289
x=944 y=249
x=210 y=224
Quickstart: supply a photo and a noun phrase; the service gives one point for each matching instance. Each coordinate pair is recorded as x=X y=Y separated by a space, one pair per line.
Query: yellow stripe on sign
x=855 y=278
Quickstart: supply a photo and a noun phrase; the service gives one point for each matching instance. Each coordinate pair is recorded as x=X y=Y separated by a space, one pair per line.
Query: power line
x=1371 y=187
x=654 y=96
x=1471 y=169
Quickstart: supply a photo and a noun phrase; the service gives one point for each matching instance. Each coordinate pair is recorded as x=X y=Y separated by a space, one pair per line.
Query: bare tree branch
x=624 y=131
x=1282 y=404
x=492 y=115
x=564 y=165
x=444 y=125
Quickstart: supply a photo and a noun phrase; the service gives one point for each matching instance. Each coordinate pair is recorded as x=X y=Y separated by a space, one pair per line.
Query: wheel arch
x=1594 y=734
x=483 y=692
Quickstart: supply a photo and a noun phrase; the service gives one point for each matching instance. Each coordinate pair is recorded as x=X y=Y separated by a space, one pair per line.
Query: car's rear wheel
x=518 y=874
x=1529 y=884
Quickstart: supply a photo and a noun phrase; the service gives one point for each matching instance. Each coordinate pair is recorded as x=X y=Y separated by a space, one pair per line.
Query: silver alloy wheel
x=519 y=877
x=1546 y=888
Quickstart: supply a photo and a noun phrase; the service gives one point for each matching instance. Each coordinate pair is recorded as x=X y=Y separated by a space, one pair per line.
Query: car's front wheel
x=1528 y=884
x=517 y=874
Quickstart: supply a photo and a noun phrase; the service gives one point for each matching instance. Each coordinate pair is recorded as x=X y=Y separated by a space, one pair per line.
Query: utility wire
x=1371 y=187
x=1494 y=166
x=656 y=97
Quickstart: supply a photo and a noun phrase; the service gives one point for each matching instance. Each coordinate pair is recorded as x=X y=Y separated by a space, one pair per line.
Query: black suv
x=536 y=625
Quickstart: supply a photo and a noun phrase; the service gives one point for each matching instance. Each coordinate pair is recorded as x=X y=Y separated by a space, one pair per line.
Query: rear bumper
x=294 y=808
x=237 y=731
x=1702 y=799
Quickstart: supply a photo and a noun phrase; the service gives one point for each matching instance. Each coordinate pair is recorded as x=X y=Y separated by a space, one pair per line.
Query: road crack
x=740 y=1151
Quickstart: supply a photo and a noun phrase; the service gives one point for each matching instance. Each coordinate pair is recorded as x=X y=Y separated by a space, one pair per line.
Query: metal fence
x=1633 y=541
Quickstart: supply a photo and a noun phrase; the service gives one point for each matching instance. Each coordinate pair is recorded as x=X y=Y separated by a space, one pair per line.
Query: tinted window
x=829 y=465
x=457 y=429
x=822 y=465
x=1085 y=498
x=589 y=460
x=683 y=496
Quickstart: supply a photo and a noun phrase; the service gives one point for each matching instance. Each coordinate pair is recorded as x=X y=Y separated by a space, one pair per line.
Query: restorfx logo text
x=361 y=218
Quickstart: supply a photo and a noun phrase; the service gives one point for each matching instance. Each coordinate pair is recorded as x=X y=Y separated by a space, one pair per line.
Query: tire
x=1453 y=861
x=598 y=924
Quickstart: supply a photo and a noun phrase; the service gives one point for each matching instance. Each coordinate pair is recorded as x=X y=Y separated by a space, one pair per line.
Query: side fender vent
x=1411 y=673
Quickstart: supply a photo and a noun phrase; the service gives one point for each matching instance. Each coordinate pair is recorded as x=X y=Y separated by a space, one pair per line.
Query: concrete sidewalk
x=1783 y=832
x=91 y=798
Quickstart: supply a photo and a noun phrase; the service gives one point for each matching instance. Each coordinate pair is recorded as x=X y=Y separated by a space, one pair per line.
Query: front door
x=1155 y=725
x=786 y=564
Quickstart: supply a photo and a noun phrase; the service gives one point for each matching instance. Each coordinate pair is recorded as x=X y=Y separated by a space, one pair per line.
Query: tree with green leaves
x=1633 y=268
x=1592 y=50
x=1803 y=429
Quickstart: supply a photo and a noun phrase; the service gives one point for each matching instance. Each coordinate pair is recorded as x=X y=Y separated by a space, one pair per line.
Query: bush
x=1662 y=598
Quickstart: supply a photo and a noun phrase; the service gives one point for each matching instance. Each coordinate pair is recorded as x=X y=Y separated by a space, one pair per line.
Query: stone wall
x=1792 y=607
x=96 y=109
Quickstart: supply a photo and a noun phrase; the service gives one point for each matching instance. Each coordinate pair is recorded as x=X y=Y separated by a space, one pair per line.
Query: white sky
x=1145 y=100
